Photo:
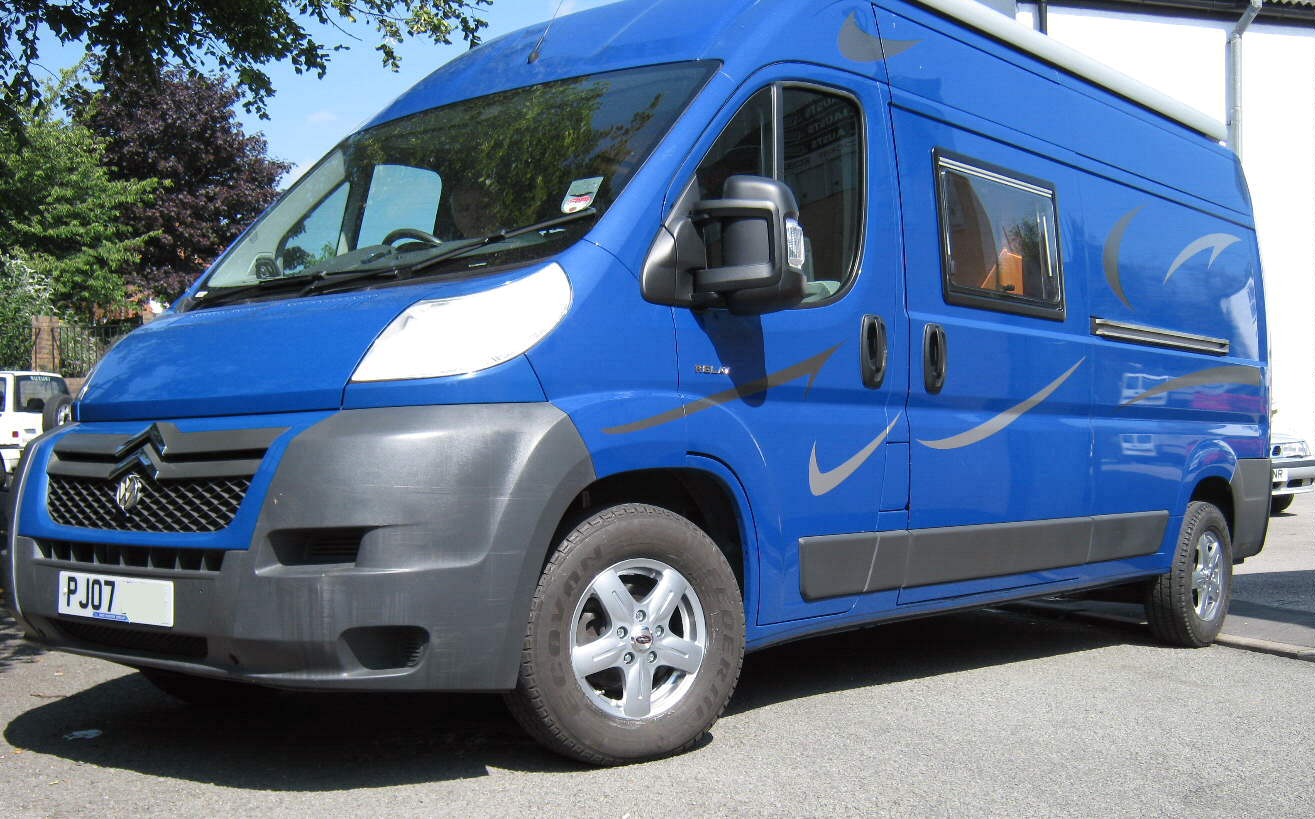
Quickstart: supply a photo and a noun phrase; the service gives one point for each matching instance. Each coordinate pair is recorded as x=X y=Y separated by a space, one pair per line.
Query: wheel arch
x=704 y=491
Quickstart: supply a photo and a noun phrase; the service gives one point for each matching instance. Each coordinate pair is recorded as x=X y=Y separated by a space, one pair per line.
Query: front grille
x=173 y=481
x=137 y=641
x=166 y=506
x=113 y=556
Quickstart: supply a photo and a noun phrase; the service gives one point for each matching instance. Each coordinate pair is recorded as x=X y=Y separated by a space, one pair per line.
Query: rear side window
x=999 y=241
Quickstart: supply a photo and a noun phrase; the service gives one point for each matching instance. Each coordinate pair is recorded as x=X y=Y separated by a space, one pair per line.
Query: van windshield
x=429 y=183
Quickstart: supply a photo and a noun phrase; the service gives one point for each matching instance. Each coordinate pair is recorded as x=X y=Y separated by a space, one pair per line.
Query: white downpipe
x=1234 y=71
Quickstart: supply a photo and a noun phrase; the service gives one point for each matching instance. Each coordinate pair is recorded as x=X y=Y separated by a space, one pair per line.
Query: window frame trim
x=959 y=295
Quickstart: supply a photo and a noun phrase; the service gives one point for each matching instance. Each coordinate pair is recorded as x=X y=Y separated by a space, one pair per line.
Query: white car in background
x=1294 y=470
x=29 y=403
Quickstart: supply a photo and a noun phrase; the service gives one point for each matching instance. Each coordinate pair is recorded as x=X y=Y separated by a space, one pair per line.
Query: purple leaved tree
x=215 y=178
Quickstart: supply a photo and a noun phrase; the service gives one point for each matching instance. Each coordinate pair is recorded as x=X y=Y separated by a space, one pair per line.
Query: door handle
x=935 y=355
x=874 y=348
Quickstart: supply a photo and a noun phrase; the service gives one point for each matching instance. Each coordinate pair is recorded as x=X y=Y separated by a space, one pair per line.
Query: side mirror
x=759 y=222
x=755 y=225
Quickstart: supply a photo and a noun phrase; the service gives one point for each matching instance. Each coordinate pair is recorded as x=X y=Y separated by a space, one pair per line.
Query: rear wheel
x=58 y=412
x=1278 y=503
x=207 y=692
x=1187 y=606
x=635 y=639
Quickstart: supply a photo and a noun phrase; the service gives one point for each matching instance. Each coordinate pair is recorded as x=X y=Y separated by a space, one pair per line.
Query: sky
x=308 y=116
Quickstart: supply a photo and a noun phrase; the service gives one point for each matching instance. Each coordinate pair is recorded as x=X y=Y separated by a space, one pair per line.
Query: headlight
x=465 y=334
x=1295 y=449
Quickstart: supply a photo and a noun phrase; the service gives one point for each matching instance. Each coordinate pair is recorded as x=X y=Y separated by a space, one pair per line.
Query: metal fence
x=72 y=350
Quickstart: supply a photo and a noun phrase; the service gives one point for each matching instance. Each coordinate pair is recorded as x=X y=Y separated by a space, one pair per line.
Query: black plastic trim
x=866 y=562
x=1251 y=485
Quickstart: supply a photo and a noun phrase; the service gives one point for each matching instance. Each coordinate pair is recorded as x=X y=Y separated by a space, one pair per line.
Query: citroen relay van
x=610 y=352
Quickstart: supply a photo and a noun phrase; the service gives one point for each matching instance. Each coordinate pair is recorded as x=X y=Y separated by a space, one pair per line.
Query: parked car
x=575 y=375
x=1294 y=470
x=30 y=402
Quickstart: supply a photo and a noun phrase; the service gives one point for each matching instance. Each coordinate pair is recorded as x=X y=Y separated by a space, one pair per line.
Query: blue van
x=615 y=349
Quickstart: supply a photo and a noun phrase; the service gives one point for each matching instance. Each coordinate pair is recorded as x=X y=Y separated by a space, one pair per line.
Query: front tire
x=1277 y=503
x=1187 y=606
x=635 y=639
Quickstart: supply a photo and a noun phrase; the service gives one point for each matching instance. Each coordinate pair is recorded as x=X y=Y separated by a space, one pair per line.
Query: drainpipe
x=1042 y=12
x=1234 y=71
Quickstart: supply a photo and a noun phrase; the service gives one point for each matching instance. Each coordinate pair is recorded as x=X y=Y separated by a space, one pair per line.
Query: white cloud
x=321 y=117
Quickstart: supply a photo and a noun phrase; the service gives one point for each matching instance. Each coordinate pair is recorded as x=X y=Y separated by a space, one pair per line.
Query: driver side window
x=811 y=139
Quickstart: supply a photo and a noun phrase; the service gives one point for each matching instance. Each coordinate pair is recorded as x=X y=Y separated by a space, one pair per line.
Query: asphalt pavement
x=990 y=713
x=1273 y=605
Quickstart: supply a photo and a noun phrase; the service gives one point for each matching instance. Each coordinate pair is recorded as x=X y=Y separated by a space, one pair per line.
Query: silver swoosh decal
x=1110 y=257
x=1215 y=242
x=985 y=430
x=857 y=45
x=819 y=482
x=1213 y=375
x=809 y=367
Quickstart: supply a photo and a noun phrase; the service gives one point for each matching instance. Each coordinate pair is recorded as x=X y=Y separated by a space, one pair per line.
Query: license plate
x=117 y=599
x=1281 y=475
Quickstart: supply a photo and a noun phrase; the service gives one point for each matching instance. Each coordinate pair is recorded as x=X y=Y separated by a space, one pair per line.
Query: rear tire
x=206 y=692
x=635 y=639
x=1187 y=606
x=1277 y=503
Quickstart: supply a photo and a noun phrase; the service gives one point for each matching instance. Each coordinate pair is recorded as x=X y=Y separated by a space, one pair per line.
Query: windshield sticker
x=581 y=194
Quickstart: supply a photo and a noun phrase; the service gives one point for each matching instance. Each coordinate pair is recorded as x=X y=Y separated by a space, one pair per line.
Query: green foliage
x=61 y=212
x=23 y=294
x=240 y=37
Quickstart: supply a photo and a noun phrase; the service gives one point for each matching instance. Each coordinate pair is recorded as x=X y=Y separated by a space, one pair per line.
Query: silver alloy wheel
x=64 y=415
x=1208 y=576
x=637 y=639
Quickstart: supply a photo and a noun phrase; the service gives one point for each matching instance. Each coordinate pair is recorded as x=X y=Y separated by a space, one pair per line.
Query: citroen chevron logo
x=129 y=493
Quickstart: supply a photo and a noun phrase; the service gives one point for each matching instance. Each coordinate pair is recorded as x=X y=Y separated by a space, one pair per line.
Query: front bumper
x=1297 y=477
x=395 y=549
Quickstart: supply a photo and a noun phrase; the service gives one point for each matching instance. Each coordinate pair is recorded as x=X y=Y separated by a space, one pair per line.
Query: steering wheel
x=412 y=233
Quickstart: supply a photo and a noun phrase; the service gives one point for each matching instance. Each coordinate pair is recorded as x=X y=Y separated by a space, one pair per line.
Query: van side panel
x=1178 y=345
x=955 y=66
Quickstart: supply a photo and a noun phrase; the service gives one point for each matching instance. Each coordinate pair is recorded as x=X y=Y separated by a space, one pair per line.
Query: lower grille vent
x=166 y=644
x=113 y=556
x=307 y=547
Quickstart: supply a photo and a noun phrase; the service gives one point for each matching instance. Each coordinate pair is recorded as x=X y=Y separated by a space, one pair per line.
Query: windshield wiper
x=320 y=282
x=212 y=298
x=501 y=236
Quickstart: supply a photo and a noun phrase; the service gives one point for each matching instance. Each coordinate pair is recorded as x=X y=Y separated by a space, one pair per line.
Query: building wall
x=1184 y=58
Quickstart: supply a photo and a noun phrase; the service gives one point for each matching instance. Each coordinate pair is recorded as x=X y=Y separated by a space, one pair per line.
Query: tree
x=181 y=130
x=23 y=294
x=61 y=211
x=238 y=37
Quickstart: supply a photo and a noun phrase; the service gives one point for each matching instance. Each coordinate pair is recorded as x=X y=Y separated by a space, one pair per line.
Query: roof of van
x=625 y=33
x=1002 y=27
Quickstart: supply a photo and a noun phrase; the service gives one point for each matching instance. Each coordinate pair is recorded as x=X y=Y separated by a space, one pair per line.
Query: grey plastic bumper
x=1250 y=506
x=455 y=508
